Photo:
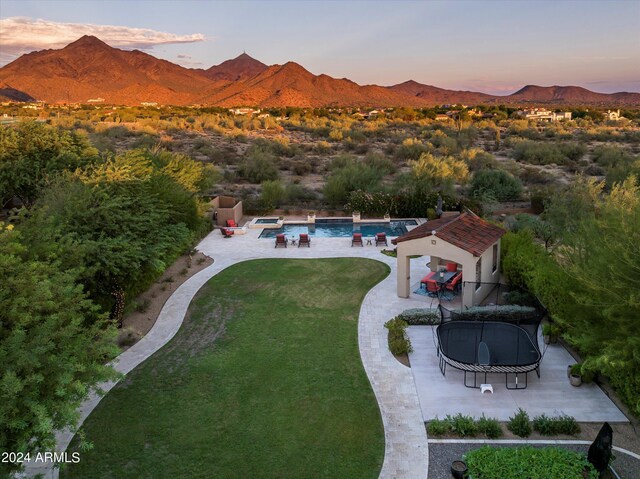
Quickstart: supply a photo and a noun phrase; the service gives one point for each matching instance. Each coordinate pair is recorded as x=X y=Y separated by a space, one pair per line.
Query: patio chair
x=281 y=240
x=357 y=240
x=427 y=278
x=454 y=284
x=381 y=239
x=433 y=289
x=452 y=267
x=226 y=232
x=304 y=240
x=232 y=224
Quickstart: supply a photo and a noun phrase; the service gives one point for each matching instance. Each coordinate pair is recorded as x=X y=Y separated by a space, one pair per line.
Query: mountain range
x=90 y=69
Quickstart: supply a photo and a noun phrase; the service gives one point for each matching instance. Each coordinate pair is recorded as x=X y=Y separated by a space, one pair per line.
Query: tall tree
x=53 y=348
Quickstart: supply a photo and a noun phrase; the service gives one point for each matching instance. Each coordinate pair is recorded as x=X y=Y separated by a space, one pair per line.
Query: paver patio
x=552 y=394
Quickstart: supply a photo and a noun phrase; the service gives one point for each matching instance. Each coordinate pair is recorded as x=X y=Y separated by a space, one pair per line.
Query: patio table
x=448 y=275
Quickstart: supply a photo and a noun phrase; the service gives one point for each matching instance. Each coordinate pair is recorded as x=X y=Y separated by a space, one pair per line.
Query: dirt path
x=149 y=304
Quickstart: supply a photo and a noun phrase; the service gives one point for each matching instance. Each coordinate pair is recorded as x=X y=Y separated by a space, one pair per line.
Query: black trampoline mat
x=509 y=344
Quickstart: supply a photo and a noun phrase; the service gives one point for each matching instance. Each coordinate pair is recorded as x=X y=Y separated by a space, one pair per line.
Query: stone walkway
x=406 y=447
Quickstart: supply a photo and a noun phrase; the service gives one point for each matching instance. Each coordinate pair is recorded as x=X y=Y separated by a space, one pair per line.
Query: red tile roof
x=466 y=231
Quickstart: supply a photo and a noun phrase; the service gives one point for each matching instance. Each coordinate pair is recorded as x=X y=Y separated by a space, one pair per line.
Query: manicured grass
x=263 y=380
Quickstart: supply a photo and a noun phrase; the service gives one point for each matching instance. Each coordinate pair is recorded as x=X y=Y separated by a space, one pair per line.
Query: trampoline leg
x=475 y=381
x=526 y=381
x=538 y=371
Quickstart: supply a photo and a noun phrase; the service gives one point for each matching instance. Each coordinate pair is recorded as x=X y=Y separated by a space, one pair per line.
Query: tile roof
x=466 y=231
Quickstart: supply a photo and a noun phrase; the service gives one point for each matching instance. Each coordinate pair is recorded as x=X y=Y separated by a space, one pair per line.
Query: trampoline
x=489 y=347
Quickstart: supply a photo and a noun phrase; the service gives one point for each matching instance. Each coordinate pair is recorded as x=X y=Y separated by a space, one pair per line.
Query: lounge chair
x=304 y=240
x=357 y=240
x=381 y=239
x=232 y=224
x=281 y=240
x=226 y=232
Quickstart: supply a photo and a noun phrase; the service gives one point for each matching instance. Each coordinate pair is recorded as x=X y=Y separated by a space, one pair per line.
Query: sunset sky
x=491 y=46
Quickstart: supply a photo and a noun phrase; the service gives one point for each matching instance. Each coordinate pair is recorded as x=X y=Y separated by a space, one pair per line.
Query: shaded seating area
x=304 y=240
x=281 y=241
x=356 y=240
x=381 y=239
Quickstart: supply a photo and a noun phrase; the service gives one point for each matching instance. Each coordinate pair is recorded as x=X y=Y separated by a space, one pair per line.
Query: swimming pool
x=340 y=229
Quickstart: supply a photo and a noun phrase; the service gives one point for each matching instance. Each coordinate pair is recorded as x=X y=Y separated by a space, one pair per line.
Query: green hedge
x=532 y=463
x=509 y=312
x=420 y=316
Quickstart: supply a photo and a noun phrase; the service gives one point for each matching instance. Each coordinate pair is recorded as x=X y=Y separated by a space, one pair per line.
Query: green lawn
x=263 y=380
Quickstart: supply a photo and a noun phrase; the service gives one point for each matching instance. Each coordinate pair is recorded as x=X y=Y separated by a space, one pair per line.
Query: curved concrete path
x=406 y=447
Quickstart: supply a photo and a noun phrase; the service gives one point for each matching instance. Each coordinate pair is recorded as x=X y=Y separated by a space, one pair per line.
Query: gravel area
x=442 y=455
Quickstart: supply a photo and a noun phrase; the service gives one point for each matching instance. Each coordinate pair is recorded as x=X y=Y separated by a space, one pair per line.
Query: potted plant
x=387 y=217
x=459 y=469
x=356 y=216
x=575 y=376
x=550 y=333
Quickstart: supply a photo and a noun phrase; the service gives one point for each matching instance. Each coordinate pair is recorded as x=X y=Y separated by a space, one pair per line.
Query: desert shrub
x=398 y=341
x=535 y=176
x=417 y=316
x=519 y=424
x=498 y=183
x=539 y=463
x=463 y=426
x=349 y=175
x=542 y=153
x=272 y=194
x=552 y=426
x=258 y=166
x=438 y=427
x=296 y=194
x=478 y=160
x=490 y=427
x=380 y=163
x=370 y=204
x=411 y=149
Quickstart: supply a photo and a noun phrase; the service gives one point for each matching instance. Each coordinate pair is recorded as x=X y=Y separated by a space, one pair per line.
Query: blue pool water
x=340 y=229
x=266 y=221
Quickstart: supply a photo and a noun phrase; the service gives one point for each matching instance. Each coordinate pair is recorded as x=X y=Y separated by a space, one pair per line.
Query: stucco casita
x=464 y=239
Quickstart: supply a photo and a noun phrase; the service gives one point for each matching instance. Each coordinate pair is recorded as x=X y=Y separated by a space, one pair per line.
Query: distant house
x=442 y=117
x=95 y=100
x=7 y=120
x=542 y=114
x=244 y=111
x=149 y=103
x=613 y=115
